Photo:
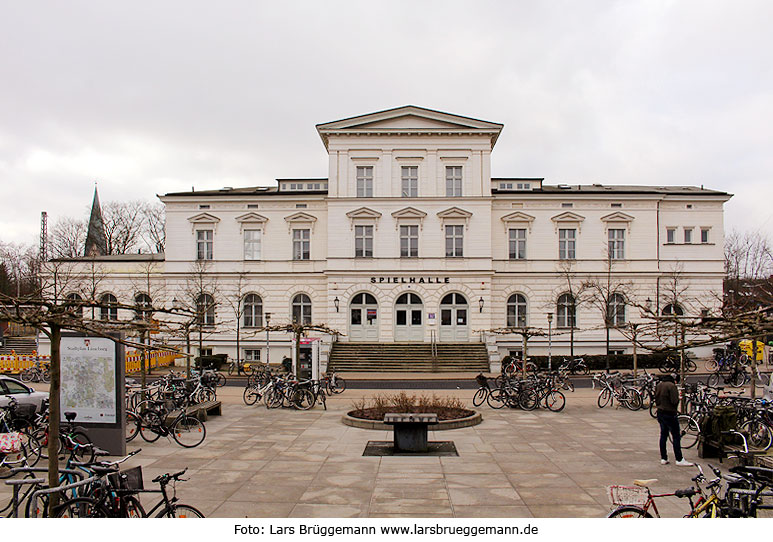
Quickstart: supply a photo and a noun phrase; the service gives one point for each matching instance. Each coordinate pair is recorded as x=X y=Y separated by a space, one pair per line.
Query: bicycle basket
x=622 y=495
x=482 y=381
x=129 y=479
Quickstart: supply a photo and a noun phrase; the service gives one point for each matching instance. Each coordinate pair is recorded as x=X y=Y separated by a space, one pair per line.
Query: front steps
x=408 y=357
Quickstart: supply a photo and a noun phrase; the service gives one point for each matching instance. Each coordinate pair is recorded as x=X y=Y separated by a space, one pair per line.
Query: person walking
x=667 y=403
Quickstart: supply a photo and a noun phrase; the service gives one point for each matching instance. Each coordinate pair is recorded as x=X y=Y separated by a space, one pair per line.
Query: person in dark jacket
x=667 y=401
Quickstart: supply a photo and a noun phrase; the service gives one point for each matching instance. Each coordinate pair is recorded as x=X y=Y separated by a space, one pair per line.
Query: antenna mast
x=43 y=236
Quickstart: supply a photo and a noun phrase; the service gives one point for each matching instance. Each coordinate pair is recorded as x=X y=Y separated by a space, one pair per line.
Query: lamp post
x=268 y=347
x=480 y=304
x=550 y=341
x=336 y=302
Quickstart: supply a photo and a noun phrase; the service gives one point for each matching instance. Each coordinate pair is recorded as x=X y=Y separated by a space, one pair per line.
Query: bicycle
x=187 y=431
x=239 y=366
x=574 y=366
x=36 y=373
x=334 y=383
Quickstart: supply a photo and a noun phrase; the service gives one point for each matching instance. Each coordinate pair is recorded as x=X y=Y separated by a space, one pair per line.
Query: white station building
x=410 y=239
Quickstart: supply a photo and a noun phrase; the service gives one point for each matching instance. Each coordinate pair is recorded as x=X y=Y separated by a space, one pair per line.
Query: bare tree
x=20 y=264
x=571 y=286
x=198 y=296
x=68 y=238
x=123 y=226
x=154 y=230
x=608 y=295
x=748 y=271
x=235 y=301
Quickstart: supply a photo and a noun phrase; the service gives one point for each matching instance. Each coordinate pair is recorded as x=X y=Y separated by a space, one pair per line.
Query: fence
x=15 y=363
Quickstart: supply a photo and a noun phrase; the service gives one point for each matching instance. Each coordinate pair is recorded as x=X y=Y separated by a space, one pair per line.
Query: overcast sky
x=155 y=97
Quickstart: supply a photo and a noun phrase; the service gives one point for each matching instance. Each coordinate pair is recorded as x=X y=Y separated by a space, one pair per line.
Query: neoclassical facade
x=409 y=238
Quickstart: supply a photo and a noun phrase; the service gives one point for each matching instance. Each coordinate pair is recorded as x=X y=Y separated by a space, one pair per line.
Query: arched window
x=143 y=304
x=253 y=311
x=616 y=310
x=453 y=299
x=75 y=301
x=408 y=299
x=205 y=310
x=301 y=309
x=108 y=309
x=566 y=311
x=673 y=309
x=516 y=311
x=364 y=299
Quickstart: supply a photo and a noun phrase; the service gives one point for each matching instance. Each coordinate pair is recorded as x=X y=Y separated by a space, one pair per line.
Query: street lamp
x=480 y=304
x=268 y=347
x=336 y=302
x=550 y=341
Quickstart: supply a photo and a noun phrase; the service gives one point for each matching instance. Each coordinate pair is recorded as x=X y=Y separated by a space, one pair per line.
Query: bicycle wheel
x=180 y=511
x=27 y=375
x=32 y=447
x=132 y=508
x=81 y=450
x=528 y=400
x=132 y=426
x=711 y=365
x=188 y=431
x=555 y=401
x=274 y=398
x=480 y=397
x=713 y=380
x=150 y=424
x=340 y=385
x=251 y=395
x=605 y=398
x=220 y=382
x=45 y=376
x=303 y=399
x=80 y=507
x=739 y=379
x=583 y=369
x=690 y=365
x=207 y=394
x=249 y=370
x=760 y=435
x=495 y=398
x=633 y=399
x=688 y=431
x=653 y=409
x=629 y=512
x=531 y=367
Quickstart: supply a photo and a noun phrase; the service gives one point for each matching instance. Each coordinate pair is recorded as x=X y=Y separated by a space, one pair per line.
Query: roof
x=622 y=189
x=254 y=190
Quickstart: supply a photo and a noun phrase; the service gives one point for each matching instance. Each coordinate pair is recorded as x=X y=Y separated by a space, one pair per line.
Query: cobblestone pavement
x=286 y=463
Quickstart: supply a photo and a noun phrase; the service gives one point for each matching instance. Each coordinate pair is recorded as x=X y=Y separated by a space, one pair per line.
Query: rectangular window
x=251 y=355
x=704 y=235
x=670 y=236
x=454 y=241
x=363 y=241
x=517 y=244
x=453 y=181
x=567 y=240
x=410 y=181
x=409 y=241
x=301 y=244
x=617 y=244
x=364 y=181
x=567 y=205
x=203 y=244
x=687 y=236
x=252 y=244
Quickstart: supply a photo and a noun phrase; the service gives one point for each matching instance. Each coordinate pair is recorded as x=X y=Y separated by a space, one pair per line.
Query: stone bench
x=410 y=430
x=200 y=411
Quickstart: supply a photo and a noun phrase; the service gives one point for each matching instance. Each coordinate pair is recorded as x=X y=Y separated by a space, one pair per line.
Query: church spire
x=96 y=244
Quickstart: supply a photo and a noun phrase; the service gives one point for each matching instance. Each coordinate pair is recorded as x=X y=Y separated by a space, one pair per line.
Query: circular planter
x=443 y=425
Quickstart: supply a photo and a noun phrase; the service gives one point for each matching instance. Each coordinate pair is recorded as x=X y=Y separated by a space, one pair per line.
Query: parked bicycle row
x=93 y=488
x=536 y=390
x=290 y=392
x=740 y=494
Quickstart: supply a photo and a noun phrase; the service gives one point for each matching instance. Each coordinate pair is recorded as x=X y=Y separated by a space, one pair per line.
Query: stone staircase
x=20 y=345
x=408 y=357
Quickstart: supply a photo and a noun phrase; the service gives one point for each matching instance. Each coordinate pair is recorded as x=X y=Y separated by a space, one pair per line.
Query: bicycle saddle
x=689 y=492
x=70 y=416
x=645 y=483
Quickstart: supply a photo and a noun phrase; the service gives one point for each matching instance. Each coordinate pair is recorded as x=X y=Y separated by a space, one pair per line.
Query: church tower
x=96 y=244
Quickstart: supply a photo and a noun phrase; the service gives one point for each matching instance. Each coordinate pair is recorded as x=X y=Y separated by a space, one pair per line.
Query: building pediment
x=251 y=217
x=567 y=218
x=364 y=212
x=409 y=119
x=409 y=212
x=203 y=219
x=454 y=215
x=518 y=217
x=300 y=219
x=617 y=217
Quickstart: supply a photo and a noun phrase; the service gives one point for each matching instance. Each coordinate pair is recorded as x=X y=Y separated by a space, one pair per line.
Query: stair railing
x=433 y=342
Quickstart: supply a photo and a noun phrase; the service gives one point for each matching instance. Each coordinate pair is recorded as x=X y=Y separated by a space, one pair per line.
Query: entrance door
x=453 y=318
x=409 y=318
x=363 y=318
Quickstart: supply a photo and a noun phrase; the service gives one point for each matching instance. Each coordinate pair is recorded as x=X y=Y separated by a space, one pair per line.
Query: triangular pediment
x=517 y=216
x=363 y=212
x=251 y=217
x=409 y=119
x=617 y=216
x=454 y=212
x=301 y=217
x=203 y=218
x=409 y=212
x=568 y=216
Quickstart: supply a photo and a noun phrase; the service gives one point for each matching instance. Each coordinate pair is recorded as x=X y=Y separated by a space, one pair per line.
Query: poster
x=89 y=379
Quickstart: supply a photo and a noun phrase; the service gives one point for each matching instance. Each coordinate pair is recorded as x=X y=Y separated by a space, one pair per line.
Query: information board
x=88 y=372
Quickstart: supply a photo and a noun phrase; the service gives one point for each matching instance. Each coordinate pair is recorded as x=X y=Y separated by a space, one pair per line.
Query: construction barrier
x=746 y=347
x=16 y=363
